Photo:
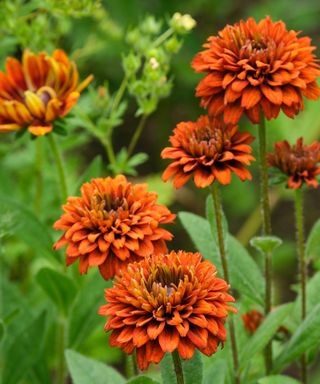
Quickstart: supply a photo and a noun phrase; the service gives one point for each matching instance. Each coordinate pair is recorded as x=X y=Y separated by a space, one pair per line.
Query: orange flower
x=207 y=151
x=256 y=68
x=300 y=162
x=37 y=91
x=252 y=320
x=166 y=303
x=113 y=223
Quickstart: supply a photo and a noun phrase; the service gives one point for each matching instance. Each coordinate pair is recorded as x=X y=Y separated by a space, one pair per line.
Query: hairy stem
x=60 y=166
x=177 y=367
x=302 y=269
x=137 y=135
x=163 y=37
x=224 y=262
x=266 y=229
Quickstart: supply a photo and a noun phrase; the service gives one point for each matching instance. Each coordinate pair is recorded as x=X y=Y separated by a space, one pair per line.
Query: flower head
x=37 y=91
x=207 y=151
x=300 y=162
x=165 y=303
x=113 y=223
x=252 y=320
x=256 y=68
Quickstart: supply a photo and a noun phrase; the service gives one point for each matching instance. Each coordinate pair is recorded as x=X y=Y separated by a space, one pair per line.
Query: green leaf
x=306 y=337
x=192 y=369
x=23 y=350
x=137 y=159
x=265 y=244
x=26 y=226
x=216 y=370
x=84 y=370
x=278 y=379
x=244 y=273
x=199 y=231
x=92 y=171
x=2 y=329
x=264 y=333
x=60 y=288
x=142 y=380
x=313 y=243
x=84 y=318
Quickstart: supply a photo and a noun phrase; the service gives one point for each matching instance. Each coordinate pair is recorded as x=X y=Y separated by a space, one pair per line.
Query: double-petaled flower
x=299 y=162
x=207 y=150
x=113 y=223
x=37 y=91
x=256 y=68
x=166 y=303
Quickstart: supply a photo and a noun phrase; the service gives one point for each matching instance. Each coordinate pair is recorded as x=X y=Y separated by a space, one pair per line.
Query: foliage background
x=95 y=37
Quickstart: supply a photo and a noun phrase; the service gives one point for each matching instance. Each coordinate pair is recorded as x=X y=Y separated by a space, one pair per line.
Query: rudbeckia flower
x=207 y=150
x=37 y=91
x=256 y=68
x=166 y=303
x=112 y=223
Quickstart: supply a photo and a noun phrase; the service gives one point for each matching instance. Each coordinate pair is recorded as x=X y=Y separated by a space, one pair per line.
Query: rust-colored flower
x=165 y=303
x=37 y=91
x=113 y=223
x=300 y=162
x=207 y=151
x=252 y=320
x=256 y=68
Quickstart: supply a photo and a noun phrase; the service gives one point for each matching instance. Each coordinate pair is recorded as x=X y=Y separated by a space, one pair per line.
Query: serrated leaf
x=83 y=317
x=60 y=288
x=313 y=242
x=26 y=226
x=306 y=337
x=84 y=370
x=264 y=333
x=192 y=369
x=278 y=379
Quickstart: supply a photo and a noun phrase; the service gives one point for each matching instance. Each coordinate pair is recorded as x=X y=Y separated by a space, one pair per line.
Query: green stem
x=61 y=347
x=109 y=150
x=177 y=367
x=60 y=167
x=38 y=175
x=266 y=229
x=224 y=262
x=137 y=134
x=302 y=269
x=119 y=94
x=131 y=365
x=163 y=37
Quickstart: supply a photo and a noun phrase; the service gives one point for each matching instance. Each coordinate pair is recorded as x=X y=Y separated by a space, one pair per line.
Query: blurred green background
x=94 y=36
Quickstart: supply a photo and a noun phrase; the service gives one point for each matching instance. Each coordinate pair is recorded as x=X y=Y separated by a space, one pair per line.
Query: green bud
x=265 y=244
x=173 y=45
x=150 y=26
x=182 y=23
x=131 y=63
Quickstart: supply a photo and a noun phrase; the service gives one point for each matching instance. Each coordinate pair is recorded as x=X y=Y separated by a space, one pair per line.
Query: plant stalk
x=302 y=269
x=177 y=367
x=266 y=229
x=224 y=262
x=60 y=166
x=38 y=175
x=137 y=134
x=61 y=346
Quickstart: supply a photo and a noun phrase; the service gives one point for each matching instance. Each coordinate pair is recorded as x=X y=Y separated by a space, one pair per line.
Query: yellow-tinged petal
x=70 y=102
x=9 y=127
x=85 y=83
x=40 y=130
x=53 y=109
x=35 y=105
